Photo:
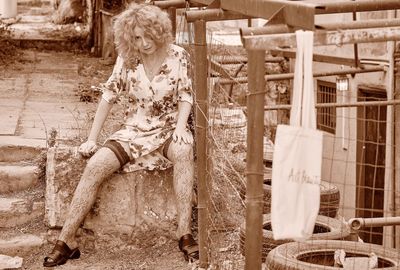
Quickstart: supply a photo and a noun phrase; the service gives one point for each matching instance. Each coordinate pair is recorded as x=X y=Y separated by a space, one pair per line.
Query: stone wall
x=125 y=202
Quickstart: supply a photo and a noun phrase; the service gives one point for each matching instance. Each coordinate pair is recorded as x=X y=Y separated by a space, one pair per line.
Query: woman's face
x=144 y=43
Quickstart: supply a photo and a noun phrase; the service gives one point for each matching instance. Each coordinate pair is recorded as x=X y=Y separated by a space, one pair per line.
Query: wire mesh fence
x=360 y=168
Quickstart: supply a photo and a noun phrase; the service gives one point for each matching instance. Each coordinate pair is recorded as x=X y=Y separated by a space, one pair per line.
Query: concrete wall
x=339 y=162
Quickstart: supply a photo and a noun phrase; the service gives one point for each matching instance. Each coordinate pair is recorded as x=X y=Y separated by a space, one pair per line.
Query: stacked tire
x=319 y=254
x=326 y=228
x=329 y=198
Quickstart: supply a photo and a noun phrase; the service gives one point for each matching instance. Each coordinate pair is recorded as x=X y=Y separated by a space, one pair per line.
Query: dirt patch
x=9 y=53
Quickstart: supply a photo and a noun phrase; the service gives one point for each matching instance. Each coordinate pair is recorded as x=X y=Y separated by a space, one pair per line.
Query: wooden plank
x=267 y=42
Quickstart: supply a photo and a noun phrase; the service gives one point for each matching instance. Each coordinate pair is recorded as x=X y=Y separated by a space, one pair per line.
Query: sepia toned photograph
x=199 y=134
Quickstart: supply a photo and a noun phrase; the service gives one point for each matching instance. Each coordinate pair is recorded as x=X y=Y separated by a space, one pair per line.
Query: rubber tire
x=286 y=256
x=336 y=230
x=329 y=198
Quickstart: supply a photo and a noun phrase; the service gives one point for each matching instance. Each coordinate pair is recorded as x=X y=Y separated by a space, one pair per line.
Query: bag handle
x=295 y=111
x=302 y=112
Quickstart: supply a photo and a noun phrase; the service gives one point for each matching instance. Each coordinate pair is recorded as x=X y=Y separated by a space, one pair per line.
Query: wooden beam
x=268 y=42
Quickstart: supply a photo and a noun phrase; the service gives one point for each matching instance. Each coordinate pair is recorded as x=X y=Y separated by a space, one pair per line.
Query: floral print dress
x=150 y=106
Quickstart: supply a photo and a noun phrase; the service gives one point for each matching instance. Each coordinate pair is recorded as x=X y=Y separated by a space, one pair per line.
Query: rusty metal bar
x=283 y=28
x=318 y=57
x=175 y=3
x=254 y=161
x=360 y=223
x=264 y=30
x=267 y=8
x=287 y=76
x=215 y=14
x=376 y=23
x=220 y=69
x=203 y=176
x=170 y=3
x=356 y=6
x=267 y=42
x=238 y=59
x=262 y=8
x=172 y=16
x=204 y=2
x=336 y=105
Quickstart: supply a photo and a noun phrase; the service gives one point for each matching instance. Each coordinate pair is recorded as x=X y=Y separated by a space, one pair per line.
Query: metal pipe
x=287 y=76
x=254 y=161
x=389 y=183
x=264 y=30
x=350 y=36
x=338 y=60
x=203 y=176
x=283 y=28
x=336 y=105
x=215 y=14
x=359 y=24
x=355 y=46
x=233 y=59
x=356 y=6
x=360 y=223
x=172 y=16
x=176 y=4
x=170 y=3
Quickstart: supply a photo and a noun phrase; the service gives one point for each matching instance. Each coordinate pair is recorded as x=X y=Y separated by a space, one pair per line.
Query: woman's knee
x=102 y=163
x=180 y=151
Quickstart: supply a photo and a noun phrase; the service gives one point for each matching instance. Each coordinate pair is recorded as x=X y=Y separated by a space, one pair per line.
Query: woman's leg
x=100 y=166
x=181 y=155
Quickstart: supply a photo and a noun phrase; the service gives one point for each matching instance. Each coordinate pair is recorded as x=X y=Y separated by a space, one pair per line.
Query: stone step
x=15 y=149
x=18 y=176
x=46 y=31
x=48 y=36
x=34 y=2
x=33 y=28
x=7 y=262
x=18 y=211
x=22 y=245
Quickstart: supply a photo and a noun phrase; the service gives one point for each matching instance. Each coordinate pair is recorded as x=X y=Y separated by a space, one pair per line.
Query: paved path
x=40 y=94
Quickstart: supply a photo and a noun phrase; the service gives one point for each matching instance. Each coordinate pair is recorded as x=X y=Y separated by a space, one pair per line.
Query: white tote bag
x=296 y=171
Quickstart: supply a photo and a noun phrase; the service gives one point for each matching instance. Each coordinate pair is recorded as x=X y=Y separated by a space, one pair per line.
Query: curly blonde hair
x=154 y=21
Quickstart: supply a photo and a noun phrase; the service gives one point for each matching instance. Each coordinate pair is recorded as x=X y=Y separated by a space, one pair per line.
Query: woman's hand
x=87 y=148
x=182 y=135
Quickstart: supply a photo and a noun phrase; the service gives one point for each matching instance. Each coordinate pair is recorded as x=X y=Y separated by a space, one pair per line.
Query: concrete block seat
x=126 y=201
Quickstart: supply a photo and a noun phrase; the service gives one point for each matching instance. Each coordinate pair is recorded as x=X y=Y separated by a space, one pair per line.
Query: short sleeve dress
x=150 y=106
